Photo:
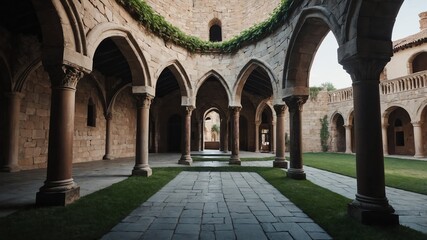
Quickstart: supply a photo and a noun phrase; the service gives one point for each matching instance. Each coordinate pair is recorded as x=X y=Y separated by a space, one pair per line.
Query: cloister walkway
x=17 y=190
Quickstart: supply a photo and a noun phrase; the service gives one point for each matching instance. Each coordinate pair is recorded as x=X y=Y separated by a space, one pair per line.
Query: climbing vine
x=324 y=133
x=158 y=25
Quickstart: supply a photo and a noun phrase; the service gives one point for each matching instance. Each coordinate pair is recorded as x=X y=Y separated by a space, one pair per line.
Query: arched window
x=419 y=63
x=215 y=31
x=399 y=133
x=91 y=113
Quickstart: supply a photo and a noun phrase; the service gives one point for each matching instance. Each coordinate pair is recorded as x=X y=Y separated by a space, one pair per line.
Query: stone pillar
x=225 y=131
x=257 y=124
x=142 y=168
x=199 y=136
x=418 y=139
x=348 y=138
x=186 y=157
x=234 y=158
x=11 y=134
x=385 y=138
x=295 y=104
x=279 y=161
x=370 y=205
x=273 y=137
x=59 y=188
x=108 y=118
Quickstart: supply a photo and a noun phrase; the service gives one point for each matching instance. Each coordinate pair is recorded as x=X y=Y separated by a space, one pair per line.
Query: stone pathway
x=217 y=205
x=411 y=207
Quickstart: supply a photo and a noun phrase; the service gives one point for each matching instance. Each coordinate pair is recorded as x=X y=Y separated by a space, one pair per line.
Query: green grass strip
x=410 y=175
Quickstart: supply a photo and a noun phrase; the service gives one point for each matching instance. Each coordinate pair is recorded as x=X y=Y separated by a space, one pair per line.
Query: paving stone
x=311 y=227
x=229 y=235
x=190 y=220
x=188 y=228
x=122 y=235
x=207 y=235
x=156 y=234
x=279 y=236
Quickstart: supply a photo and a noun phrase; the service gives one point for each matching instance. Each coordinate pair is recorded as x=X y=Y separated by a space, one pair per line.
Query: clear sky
x=326 y=68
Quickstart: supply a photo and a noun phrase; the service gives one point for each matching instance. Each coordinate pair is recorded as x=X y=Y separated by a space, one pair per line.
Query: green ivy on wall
x=158 y=25
x=324 y=133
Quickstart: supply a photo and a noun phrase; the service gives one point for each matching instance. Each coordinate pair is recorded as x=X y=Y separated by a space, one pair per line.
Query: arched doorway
x=266 y=130
x=211 y=130
x=338 y=133
x=400 y=133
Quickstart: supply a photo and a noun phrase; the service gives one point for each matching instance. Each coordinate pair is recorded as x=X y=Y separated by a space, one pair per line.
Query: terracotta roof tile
x=410 y=41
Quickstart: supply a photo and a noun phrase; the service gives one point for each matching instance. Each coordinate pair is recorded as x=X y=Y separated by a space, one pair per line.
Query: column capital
x=348 y=126
x=417 y=123
x=65 y=76
x=385 y=125
x=295 y=102
x=109 y=116
x=235 y=109
x=188 y=109
x=143 y=100
x=280 y=109
x=364 y=69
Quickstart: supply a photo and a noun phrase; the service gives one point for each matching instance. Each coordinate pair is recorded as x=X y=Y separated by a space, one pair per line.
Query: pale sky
x=325 y=66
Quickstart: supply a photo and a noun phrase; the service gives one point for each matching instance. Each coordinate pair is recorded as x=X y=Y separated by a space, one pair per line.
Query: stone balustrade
x=402 y=84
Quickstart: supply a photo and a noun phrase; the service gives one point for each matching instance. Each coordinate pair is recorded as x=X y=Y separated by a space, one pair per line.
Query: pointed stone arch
x=311 y=27
x=185 y=86
x=214 y=74
x=130 y=49
x=22 y=75
x=64 y=39
x=5 y=77
x=338 y=132
x=246 y=72
x=260 y=108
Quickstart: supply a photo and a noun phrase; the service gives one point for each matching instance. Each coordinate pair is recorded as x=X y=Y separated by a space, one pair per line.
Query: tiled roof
x=410 y=41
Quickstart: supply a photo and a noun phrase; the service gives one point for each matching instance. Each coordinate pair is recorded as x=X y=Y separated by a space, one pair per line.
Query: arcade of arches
x=84 y=80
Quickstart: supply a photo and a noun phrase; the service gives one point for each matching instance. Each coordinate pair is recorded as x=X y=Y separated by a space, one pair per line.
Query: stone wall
x=193 y=16
x=34 y=121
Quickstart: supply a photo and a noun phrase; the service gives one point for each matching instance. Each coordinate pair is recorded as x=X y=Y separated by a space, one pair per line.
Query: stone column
x=186 y=157
x=295 y=104
x=108 y=118
x=59 y=188
x=234 y=158
x=418 y=139
x=385 y=138
x=273 y=137
x=11 y=134
x=257 y=124
x=348 y=138
x=226 y=136
x=279 y=161
x=142 y=168
x=370 y=205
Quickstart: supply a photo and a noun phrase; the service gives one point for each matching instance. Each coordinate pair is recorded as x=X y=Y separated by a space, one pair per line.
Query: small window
x=215 y=34
x=91 y=113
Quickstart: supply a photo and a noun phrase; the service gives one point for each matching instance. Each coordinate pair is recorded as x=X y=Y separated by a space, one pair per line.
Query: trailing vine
x=158 y=25
x=324 y=133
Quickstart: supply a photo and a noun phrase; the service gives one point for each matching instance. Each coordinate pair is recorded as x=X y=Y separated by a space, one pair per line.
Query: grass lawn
x=410 y=175
x=95 y=214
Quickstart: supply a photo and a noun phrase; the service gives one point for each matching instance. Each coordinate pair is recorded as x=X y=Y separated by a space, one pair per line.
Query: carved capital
x=188 y=110
x=235 y=110
x=65 y=76
x=280 y=110
x=417 y=123
x=143 y=100
x=109 y=116
x=364 y=69
x=295 y=103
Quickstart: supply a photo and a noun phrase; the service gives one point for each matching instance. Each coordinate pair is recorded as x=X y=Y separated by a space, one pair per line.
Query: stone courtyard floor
x=206 y=202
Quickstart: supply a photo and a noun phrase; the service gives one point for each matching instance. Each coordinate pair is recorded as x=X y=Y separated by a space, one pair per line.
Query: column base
x=420 y=156
x=383 y=215
x=185 y=160
x=57 y=198
x=280 y=163
x=107 y=157
x=10 y=168
x=235 y=160
x=296 y=173
x=142 y=171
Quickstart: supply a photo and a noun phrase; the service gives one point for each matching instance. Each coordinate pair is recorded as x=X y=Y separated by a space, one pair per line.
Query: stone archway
x=400 y=134
x=174 y=133
x=338 y=133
